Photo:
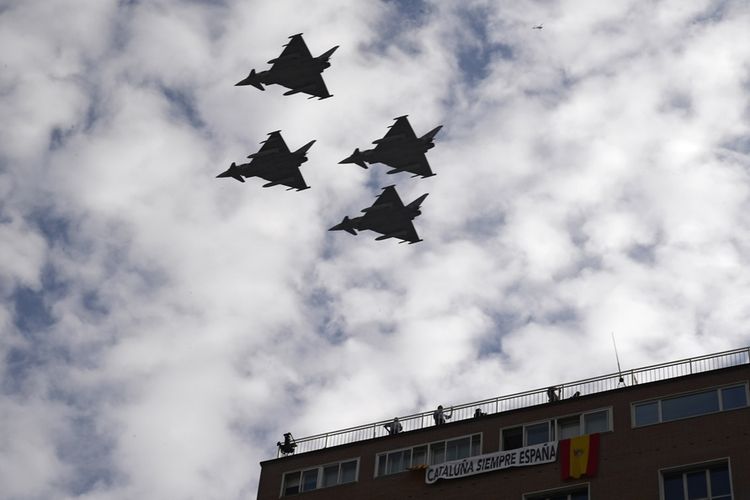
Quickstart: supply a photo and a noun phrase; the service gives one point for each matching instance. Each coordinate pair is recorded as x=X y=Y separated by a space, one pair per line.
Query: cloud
x=162 y=328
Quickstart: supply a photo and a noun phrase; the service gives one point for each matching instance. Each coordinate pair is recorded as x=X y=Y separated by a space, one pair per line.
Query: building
x=680 y=430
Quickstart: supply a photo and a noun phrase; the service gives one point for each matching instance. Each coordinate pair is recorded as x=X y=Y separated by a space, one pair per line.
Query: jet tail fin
x=414 y=205
x=429 y=136
x=327 y=54
x=232 y=172
x=345 y=225
x=303 y=150
x=355 y=158
x=252 y=79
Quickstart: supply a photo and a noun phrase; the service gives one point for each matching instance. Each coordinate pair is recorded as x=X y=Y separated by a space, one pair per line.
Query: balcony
x=653 y=373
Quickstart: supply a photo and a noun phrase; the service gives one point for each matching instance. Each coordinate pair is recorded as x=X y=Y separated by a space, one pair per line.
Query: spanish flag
x=579 y=456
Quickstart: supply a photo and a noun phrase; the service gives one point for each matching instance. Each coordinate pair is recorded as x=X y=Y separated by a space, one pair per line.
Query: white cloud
x=591 y=179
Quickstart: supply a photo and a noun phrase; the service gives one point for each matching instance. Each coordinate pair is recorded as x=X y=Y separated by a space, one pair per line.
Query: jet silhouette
x=387 y=216
x=537 y=27
x=400 y=148
x=295 y=69
x=274 y=163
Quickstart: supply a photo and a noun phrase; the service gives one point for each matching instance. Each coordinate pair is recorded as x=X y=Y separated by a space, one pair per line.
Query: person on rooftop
x=439 y=415
x=394 y=427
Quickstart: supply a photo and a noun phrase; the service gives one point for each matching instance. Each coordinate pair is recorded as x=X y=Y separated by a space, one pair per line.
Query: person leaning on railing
x=439 y=415
x=394 y=427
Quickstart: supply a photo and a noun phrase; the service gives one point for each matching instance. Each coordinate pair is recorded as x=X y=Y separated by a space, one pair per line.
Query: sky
x=160 y=328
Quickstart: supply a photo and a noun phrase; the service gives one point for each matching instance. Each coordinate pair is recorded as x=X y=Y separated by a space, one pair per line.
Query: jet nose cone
x=242 y=82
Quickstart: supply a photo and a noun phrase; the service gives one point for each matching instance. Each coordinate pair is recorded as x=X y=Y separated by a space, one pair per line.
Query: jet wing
x=388 y=200
x=315 y=86
x=273 y=145
x=417 y=164
x=294 y=52
x=400 y=130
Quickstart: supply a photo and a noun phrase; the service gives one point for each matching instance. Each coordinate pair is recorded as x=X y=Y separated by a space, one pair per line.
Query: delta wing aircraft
x=295 y=69
x=400 y=148
x=387 y=216
x=274 y=163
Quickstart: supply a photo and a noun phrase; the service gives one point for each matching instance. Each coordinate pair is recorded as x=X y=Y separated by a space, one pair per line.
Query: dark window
x=330 y=475
x=458 y=449
x=319 y=477
x=513 y=438
x=575 y=494
x=733 y=397
x=537 y=433
x=348 y=472
x=689 y=405
x=569 y=427
x=476 y=445
x=309 y=480
x=291 y=483
x=419 y=456
x=704 y=483
x=647 y=413
x=597 y=421
x=437 y=453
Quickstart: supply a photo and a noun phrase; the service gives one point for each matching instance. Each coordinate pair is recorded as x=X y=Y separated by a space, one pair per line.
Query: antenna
x=619 y=371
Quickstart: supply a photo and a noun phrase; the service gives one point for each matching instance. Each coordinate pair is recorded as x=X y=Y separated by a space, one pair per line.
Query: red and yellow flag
x=579 y=456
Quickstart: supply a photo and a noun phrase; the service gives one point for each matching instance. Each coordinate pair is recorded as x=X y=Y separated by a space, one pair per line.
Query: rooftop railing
x=526 y=399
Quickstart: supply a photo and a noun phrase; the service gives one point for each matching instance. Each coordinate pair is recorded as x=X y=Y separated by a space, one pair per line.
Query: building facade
x=675 y=431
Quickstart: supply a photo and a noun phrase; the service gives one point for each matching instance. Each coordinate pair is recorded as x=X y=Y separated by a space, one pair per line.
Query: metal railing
x=534 y=397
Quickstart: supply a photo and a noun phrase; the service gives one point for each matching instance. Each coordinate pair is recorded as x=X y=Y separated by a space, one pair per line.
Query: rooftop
x=653 y=373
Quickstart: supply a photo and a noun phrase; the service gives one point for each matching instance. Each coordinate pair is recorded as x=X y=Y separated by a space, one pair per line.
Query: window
x=557 y=428
x=319 y=477
x=690 y=405
x=438 y=452
x=577 y=493
x=707 y=482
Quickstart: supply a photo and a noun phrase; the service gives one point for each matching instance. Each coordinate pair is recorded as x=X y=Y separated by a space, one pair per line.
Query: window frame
x=320 y=475
x=536 y=495
x=554 y=428
x=428 y=445
x=658 y=400
x=695 y=467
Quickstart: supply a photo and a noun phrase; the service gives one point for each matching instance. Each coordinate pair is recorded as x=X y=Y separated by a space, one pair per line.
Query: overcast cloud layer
x=160 y=328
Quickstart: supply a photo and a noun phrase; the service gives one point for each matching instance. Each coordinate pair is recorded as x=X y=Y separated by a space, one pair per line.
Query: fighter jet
x=537 y=27
x=400 y=148
x=274 y=163
x=295 y=69
x=387 y=216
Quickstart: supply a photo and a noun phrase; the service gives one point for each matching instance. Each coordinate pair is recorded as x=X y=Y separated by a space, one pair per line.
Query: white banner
x=521 y=457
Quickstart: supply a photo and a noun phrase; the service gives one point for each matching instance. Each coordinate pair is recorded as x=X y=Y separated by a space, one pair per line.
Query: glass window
x=673 y=488
x=696 y=484
x=577 y=494
x=733 y=397
x=689 y=405
x=381 y=464
x=330 y=475
x=706 y=483
x=513 y=438
x=647 y=413
x=457 y=449
x=348 y=472
x=437 y=453
x=596 y=422
x=569 y=427
x=395 y=462
x=291 y=483
x=310 y=479
x=476 y=445
x=419 y=456
x=537 y=433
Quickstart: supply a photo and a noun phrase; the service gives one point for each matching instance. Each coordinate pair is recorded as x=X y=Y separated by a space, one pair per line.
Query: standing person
x=552 y=394
x=394 y=427
x=439 y=415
